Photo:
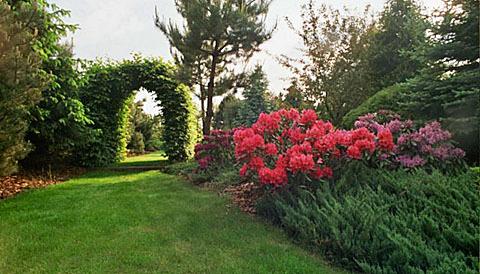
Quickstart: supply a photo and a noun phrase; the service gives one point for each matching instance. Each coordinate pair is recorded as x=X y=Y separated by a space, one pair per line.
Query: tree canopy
x=215 y=36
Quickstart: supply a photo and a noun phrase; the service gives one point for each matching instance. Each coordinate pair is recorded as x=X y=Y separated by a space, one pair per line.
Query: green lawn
x=151 y=159
x=144 y=222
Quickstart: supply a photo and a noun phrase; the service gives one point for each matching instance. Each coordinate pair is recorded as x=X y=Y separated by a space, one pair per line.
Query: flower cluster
x=429 y=145
x=286 y=143
x=215 y=150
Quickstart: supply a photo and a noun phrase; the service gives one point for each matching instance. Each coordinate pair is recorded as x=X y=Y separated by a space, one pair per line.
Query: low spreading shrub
x=180 y=168
x=388 y=221
x=227 y=176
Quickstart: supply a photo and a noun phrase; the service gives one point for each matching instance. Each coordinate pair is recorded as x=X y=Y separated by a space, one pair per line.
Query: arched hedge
x=108 y=89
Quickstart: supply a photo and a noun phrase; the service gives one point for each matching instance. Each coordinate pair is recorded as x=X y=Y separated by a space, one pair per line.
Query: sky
x=117 y=28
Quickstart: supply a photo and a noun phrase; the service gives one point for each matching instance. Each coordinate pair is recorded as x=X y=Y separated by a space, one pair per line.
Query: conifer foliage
x=389 y=222
x=215 y=35
x=255 y=95
x=20 y=83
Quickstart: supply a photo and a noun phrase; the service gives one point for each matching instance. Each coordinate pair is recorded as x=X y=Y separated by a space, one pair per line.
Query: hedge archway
x=110 y=87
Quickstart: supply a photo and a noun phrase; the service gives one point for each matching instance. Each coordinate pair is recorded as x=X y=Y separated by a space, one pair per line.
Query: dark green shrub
x=386 y=98
x=59 y=122
x=391 y=222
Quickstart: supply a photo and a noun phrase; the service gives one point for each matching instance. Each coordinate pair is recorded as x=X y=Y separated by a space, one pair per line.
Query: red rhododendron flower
x=277 y=176
x=247 y=142
x=325 y=144
x=308 y=117
x=385 y=140
x=354 y=152
x=267 y=122
x=271 y=149
x=301 y=162
x=362 y=134
x=343 y=137
x=295 y=135
x=256 y=163
x=243 y=170
x=365 y=145
x=286 y=142
x=291 y=114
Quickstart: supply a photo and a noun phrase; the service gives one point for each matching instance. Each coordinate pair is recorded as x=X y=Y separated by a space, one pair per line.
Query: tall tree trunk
x=210 y=89
x=202 y=106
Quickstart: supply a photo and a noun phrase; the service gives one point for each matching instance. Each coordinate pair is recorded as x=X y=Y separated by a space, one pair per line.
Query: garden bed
x=14 y=184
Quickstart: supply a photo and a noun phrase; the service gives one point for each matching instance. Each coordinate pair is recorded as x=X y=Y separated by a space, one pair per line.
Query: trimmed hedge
x=386 y=98
x=108 y=90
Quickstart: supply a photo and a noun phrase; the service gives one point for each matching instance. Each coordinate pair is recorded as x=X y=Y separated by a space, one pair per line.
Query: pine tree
x=215 y=34
x=20 y=84
x=255 y=95
x=400 y=30
x=448 y=88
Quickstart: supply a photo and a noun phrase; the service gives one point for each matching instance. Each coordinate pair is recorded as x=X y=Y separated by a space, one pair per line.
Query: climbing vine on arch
x=108 y=90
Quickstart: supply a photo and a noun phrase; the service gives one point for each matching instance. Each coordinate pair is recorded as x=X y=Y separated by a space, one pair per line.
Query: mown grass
x=156 y=158
x=144 y=222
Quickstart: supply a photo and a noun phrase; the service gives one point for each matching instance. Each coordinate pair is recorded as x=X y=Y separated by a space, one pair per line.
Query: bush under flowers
x=286 y=144
x=428 y=146
x=215 y=151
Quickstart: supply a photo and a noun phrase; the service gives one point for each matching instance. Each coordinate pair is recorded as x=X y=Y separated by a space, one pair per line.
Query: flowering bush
x=429 y=146
x=286 y=144
x=216 y=150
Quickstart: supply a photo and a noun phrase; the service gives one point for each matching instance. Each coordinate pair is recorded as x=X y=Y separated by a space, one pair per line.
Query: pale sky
x=116 y=28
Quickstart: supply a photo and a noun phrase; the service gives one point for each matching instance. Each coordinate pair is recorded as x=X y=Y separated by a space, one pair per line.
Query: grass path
x=143 y=222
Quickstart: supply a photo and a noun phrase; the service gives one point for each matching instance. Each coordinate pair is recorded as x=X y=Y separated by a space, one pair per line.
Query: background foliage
x=144 y=129
x=21 y=81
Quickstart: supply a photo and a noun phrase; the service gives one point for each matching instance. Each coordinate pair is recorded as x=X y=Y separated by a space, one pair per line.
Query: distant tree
x=20 y=83
x=400 y=31
x=137 y=143
x=333 y=73
x=255 y=95
x=144 y=124
x=215 y=36
x=228 y=112
x=293 y=98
